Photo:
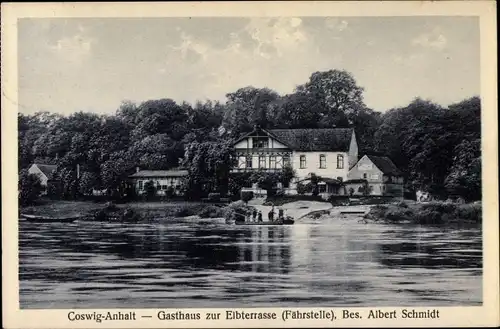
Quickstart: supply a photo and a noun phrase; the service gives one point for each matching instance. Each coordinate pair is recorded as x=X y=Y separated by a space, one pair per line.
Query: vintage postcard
x=242 y=165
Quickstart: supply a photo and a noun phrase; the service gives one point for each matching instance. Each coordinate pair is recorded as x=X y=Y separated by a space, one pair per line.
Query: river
x=181 y=263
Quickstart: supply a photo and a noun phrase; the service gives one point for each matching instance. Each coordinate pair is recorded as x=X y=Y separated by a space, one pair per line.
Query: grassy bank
x=432 y=213
x=132 y=211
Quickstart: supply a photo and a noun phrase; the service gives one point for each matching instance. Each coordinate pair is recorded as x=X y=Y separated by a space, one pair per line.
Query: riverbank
x=93 y=210
x=430 y=213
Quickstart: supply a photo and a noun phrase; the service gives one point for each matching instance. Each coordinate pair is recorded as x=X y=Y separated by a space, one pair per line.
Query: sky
x=93 y=64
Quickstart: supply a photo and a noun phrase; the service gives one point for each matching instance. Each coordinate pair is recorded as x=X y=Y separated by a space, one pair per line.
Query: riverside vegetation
x=437 y=148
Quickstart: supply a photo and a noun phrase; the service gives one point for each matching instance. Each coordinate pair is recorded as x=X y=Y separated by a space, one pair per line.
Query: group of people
x=256 y=216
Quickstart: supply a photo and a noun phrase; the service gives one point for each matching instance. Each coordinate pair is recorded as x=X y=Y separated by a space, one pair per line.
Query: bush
x=170 y=192
x=246 y=195
x=30 y=188
x=214 y=196
x=469 y=212
x=110 y=206
x=238 y=207
x=402 y=204
x=129 y=215
x=301 y=188
x=185 y=212
x=210 y=212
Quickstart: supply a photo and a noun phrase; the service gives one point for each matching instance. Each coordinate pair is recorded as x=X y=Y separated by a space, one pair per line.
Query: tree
x=464 y=178
x=209 y=165
x=150 y=189
x=87 y=182
x=29 y=187
x=247 y=107
x=339 y=94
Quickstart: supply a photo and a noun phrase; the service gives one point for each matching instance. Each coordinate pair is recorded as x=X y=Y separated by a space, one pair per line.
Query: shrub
x=169 y=192
x=239 y=207
x=110 y=206
x=185 y=211
x=469 y=212
x=246 y=195
x=402 y=204
x=130 y=215
x=29 y=188
x=210 y=212
x=301 y=188
x=214 y=196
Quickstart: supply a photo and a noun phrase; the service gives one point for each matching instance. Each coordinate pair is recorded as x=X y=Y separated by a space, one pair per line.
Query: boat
x=47 y=219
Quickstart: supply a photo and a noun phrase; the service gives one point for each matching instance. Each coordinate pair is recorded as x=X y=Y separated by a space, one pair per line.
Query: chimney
x=77 y=171
x=137 y=169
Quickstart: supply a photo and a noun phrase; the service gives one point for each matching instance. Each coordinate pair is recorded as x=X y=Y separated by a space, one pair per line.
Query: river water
x=181 y=263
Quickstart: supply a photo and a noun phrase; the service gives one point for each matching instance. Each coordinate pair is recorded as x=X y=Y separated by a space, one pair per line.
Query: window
x=286 y=161
x=322 y=161
x=260 y=142
x=272 y=161
x=340 y=161
x=141 y=185
x=322 y=188
x=249 y=162
x=164 y=187
x=365 y=175
x=262 y=161
x=302 y=162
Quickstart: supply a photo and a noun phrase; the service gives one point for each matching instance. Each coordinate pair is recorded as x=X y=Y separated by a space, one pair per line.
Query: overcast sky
x=68 y=65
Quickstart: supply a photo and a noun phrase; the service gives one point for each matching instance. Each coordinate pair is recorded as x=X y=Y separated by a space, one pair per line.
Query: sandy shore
x=299 y=209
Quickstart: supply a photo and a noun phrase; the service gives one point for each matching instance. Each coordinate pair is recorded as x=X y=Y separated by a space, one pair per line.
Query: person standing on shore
x=271 y=215
x=254 y=215
x=259 y=216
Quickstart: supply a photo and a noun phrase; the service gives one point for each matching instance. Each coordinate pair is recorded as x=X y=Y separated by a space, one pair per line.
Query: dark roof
x=385 y=165
x=47 y=170
x=160 y=173
x=324 y=139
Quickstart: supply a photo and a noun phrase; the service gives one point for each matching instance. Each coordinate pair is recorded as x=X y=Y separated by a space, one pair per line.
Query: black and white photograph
x=264 y=161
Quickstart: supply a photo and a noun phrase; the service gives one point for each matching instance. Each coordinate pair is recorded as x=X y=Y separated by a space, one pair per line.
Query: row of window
x=262 y=162
x=322 y=161
x=158 y=186
x=286 y=162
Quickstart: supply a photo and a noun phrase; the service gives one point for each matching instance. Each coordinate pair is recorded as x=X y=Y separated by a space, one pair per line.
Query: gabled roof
x=46 y=169
x=321 y=139
x=159 y=173
x=318 y=139
x=385 y=165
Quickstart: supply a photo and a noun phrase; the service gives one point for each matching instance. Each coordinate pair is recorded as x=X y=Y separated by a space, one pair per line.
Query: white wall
x=313 y=165
x=35 y=170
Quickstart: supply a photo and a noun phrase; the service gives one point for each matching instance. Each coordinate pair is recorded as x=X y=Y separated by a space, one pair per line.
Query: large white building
x=328 y=153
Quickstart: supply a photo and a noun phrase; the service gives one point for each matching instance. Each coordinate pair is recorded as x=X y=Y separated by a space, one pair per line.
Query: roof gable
x=321 y=139
x=385 y=165
x=47 y=170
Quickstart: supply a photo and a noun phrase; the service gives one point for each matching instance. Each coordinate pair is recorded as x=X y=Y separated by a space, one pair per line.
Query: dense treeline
x=438 y=149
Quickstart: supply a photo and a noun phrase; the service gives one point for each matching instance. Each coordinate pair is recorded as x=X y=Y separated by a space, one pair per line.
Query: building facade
x=327 y=153
x=375 y=175
x=44 y=172
x=163 y=181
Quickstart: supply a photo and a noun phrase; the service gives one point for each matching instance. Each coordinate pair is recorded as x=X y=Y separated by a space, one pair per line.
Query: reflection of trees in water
x=421 y=249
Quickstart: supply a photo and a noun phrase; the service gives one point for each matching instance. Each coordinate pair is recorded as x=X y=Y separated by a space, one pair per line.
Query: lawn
x=60 y=208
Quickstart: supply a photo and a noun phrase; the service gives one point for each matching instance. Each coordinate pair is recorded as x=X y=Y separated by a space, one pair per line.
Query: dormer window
x=260 y=142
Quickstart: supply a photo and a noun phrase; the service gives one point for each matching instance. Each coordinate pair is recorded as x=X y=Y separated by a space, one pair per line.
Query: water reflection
x=185 y=264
